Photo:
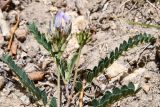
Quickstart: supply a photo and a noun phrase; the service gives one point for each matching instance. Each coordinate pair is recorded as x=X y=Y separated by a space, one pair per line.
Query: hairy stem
x=74 y=81
x=58 y=67
x=60 y=71
x=59 y=75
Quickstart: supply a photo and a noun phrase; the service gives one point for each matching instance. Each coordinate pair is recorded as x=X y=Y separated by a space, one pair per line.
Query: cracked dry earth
x=110 y=23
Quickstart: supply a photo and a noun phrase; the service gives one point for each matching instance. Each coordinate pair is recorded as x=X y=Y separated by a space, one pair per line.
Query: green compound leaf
x=131 y=86
x=125 y=45
x=95 y=103
x=53 y=102
x=40 y=37
x=114 y=55
x=116 y=91
x=95 y=71
x=78 y=86
x=23 y=77
x=114 y=96
x=107 y=62
x=90 y=76
x=43 y=97
x=130 y=43
x=111 y=57
x=100 y=67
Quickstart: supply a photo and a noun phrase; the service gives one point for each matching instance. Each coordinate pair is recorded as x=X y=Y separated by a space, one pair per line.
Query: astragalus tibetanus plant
x=67 y=71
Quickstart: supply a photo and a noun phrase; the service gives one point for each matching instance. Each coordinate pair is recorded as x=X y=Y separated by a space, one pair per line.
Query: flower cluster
x=61 y=26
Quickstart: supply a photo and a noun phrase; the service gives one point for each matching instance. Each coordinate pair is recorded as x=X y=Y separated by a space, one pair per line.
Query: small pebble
x=21 y=34
x=146 y=88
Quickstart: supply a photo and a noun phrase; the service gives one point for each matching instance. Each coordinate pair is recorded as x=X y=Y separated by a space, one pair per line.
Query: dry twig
x=81 y=98
x=13 y=31
x=82 y=94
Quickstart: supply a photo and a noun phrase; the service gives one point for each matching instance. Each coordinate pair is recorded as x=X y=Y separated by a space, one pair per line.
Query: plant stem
x=144 y=24
x=59 y=73
x=59 y=69
x=82 y=94
x=74 y=81
x=59 y=89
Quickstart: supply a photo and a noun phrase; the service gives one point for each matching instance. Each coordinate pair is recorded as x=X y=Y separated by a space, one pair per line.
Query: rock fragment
x=146 y=88
x=135 y=77
x=115 y=69
x=21 y=34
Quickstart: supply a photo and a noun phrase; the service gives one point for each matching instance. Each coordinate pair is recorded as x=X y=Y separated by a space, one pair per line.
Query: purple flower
x=62 y=22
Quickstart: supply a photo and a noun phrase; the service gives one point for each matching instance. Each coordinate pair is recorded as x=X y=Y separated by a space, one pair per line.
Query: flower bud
x=62 y=24
x=60 y=29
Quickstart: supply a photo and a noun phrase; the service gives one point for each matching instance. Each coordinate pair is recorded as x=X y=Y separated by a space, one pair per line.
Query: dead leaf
x=36 y=76
x=21 y=34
